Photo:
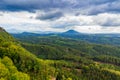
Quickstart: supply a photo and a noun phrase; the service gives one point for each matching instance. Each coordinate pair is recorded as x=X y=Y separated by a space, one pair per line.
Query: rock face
x=2 y=30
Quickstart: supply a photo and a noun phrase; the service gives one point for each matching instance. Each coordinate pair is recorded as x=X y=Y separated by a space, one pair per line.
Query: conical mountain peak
x=72 y=32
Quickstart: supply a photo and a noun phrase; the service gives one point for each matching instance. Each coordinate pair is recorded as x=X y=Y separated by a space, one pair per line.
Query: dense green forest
x=56 y=58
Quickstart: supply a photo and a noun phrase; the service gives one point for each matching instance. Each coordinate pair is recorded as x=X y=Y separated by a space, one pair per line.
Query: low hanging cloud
x=107 y=20
x=50 y=16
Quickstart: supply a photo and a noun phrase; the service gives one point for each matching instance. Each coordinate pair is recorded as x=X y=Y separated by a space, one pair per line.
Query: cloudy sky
x=87 y=16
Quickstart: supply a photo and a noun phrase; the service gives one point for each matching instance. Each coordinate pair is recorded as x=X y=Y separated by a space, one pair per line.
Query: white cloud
x=97 y=29
x=109 y=20
x=25 y=21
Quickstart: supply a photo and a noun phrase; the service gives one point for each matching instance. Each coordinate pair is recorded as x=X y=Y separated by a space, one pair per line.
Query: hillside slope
x=24 y=61
x=16 y=63
x=78 y=54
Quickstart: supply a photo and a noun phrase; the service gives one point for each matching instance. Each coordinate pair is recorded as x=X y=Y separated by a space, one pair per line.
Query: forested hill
x=16 y=63
x=62 y=60
x=5 y=36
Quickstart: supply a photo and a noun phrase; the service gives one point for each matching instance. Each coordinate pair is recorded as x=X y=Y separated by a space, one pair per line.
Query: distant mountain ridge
x=112 y=39
x=73 y=32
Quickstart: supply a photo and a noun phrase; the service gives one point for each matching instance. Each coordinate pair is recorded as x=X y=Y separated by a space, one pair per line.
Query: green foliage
x=58 y=46
x=2 y=79
x=4 y=72
x=75 y=57
x=70 y=59
x=107 y=59
x=19 y=64
x=20 y=76
x=9 y=72
x=9 y=64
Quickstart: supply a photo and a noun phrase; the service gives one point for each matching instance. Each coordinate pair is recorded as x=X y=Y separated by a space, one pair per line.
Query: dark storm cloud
x=90 y=6
x=50 y=16
x=108 y=7
x=31 y=5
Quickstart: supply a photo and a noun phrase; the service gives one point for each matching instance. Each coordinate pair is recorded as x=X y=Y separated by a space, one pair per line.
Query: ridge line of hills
x=111 y=39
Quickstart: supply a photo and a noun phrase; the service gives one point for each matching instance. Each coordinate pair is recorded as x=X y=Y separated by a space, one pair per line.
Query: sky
x=86 y=16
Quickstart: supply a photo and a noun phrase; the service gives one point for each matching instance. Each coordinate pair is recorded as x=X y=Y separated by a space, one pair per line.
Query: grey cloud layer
x=50 y=16
x=90 y=6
